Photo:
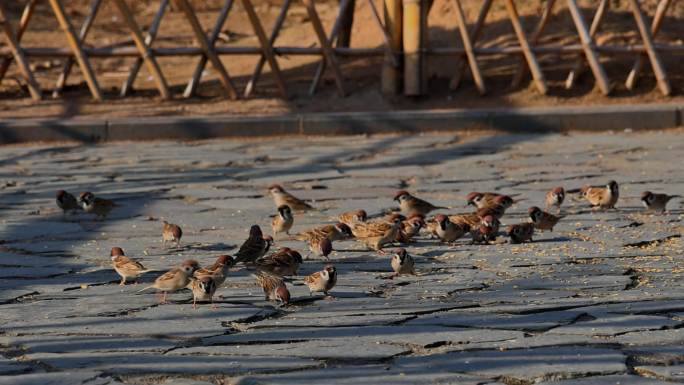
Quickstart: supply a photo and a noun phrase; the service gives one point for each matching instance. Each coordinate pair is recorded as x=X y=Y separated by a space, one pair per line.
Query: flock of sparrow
x=270 y=269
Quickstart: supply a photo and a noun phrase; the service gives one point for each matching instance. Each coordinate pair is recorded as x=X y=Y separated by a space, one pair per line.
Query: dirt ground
x=362 y=75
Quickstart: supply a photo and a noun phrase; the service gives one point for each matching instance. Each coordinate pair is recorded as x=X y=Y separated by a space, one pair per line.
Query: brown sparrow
x=472 y=220
x=174 y=279
x=410 y=228
x=218 y=271
x=67 y=202
x=497 y=211
x=521 y=232
x=481 y=200
x=602 y=197
x=127 y=268
x=336 y=232
x=322 y=281
x=320 y=246
x=282 y=262
x=350 y=218
x=411 y=205
x=273 y=286
x=402 y=263
x=541 y=219
x=98 y=206
x=487 y=230
x=203 y=289
x=555 y=198
x=254 y=247
x=171 y=233
x=655 y=202
x=448 y=231
x=282 y=222
x=377 y=234
x=283 y=198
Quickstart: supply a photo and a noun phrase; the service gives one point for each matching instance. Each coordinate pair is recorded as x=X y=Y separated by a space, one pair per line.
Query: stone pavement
x=597 y=301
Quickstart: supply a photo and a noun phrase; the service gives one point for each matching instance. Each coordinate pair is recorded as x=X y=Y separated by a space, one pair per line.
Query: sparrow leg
x=123 y=281
x=381 y=252
x=194 y=303
x=178 y=244
x=163 y=301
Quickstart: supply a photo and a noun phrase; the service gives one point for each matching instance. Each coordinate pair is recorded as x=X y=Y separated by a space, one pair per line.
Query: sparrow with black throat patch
x=377 y=234
x=203 y=290
x=283 y=221
x=350 y=218
x=218 y=271
x=321 y=246
x=283 y=198
x=322 y=281
x=448 y=231
x=541 y=219
x=487 y=230
x=336 y=232
x=283 y=262
x=521 y=232
x=410 y=228
x=656 y=202
x=402 y=263
x=94 y=205
x=481 y=200
x=602 y=197
x=555 y=198
x=411 y=205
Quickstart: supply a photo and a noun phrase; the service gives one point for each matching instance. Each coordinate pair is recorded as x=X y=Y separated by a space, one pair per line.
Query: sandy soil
x=361 y=75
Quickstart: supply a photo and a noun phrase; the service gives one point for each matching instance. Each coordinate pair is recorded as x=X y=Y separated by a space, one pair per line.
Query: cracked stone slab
x=533 y=322
x=608 y=380
x=613 y=324
x=9 y=367
x=60 y=378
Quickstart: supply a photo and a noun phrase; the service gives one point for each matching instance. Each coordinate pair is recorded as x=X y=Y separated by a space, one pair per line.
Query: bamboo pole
x=412 y=46
x=536 y=71
x=127 y=86
x=587 y=39
x=391 y=75
x=266 y=47
x=328 y=51
x=69 y=62
x=251 y=84
x=77 y=49
x=468 y=47
x=534 y=39
x=633 y=76
x=199 y=69
x=34 y=88
x=658 y=69
x=474 y=35
x=208 y=48
x=347 y=19
x=23 y=24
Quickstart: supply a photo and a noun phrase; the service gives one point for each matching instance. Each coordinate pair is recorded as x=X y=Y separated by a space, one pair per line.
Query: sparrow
x=410 y=228
x=411 y=205
x=555 y=198
x=481 y=200
x=486 y=231
x=283 y=198
x=273 y=286
x=174 y=279
x=203 y=289
x=98 y=206
x=377 y=234
x=67 y=202
x=254 y=247
x=336 y=232
x=320 y=246
x=402 y=263
x=503 y=200
x=218 y=271
x=602 y=197
x=322 y=281
x=282 y=262
x=282 y=222
x=521 y=232
x=472 y=220
x=350 y=218
x=171 y=233
x=541 y=219
x=497 y=211
x=448 y=231
x=127 y=268
x=655 y=202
